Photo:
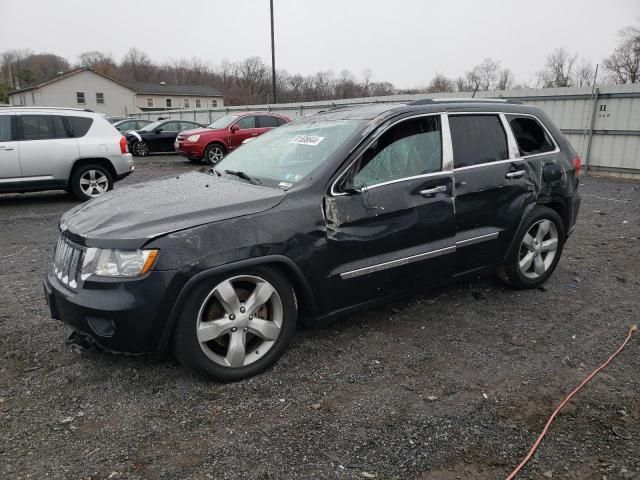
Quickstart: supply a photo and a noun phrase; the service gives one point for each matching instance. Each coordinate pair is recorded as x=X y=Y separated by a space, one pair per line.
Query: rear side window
x=477 y=139
x=267 y=121
x=42 y=127
x=530 y=135
x=411 y=148
x=80 y=125
x=6 y=129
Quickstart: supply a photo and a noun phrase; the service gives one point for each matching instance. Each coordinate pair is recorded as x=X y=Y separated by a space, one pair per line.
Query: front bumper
x=120 y=315
x=189 y=150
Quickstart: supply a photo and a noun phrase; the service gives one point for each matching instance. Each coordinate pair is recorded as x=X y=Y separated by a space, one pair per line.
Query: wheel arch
x=215 y=142
x=103 y=162
x=305 y=299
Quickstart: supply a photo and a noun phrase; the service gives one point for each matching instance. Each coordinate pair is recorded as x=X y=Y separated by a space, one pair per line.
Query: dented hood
x=129 y=217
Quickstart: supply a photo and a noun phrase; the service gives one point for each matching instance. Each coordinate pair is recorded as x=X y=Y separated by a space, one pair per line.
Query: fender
x=300 y=284
x=521 y=226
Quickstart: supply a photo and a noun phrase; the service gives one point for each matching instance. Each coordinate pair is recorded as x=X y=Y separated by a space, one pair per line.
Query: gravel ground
x=454 y=383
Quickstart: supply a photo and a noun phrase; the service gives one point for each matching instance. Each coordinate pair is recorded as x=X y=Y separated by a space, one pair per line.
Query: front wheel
x=90 y=181
x=538 y=248
x=236 y=326
x=213 y=154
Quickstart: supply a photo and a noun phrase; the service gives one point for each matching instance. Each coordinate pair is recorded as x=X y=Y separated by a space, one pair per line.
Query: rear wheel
x=213 y=154
x=90 y=181
x=539 y=246
x=236 y=326
x=141 y=149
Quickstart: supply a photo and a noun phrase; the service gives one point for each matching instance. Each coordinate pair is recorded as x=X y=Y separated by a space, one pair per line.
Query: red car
x=227 y=133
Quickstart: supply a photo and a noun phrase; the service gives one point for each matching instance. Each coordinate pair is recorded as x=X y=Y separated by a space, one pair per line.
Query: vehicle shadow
x=52 y=197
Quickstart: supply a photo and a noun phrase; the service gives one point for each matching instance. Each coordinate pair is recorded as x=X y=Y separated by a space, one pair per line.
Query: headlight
x=117 y=263
x=193 y=138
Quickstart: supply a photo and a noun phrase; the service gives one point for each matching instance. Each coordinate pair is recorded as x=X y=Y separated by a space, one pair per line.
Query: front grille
x=67 y=262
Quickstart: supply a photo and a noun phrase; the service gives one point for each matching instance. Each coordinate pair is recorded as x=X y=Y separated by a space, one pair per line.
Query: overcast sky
x=401 y=41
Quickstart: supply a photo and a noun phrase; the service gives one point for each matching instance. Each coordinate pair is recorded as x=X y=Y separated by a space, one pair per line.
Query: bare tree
x=559 y=69
x=136 y=66
x=584 y=74
x=440 y=84
x=98 y=61
x=505 y=79
x=624 y=63
x=487 y=74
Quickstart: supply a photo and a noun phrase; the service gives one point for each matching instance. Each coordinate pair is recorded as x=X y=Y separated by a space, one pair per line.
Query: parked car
x=60 y=149
x=131 y=124
x=113 y=120
x=333 y=212
x=157 y=136
x=225 y=134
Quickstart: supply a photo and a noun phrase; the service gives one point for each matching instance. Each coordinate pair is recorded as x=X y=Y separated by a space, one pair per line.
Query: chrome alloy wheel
x=214 y=154
x=94 y=183
x=141 y=149
x=538 y=249
x=239 y=321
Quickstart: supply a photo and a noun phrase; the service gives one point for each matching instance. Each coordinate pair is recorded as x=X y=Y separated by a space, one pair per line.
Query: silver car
x=60 y=148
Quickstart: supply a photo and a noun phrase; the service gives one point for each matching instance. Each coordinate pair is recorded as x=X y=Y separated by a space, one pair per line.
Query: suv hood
x=131 y=216
x=201 y=131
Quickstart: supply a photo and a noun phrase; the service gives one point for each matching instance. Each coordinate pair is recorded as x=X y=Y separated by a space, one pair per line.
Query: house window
x=100 y=98
x=150 y=102
x=169 y=103
x=33 y=98
x=185 y=103
x=80 y=98
x=214 y=103
x=198 y=104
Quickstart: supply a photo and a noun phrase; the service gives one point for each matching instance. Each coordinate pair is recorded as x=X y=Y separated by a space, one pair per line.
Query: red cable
x=564 y=402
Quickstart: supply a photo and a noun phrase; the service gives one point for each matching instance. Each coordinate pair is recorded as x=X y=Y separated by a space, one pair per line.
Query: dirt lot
x=451 y=384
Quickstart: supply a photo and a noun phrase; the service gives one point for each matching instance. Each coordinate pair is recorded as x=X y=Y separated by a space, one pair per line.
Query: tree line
x=249 y=81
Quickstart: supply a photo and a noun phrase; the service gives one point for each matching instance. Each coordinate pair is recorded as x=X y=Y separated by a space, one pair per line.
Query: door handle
x=429 y=192
x=6 y=148
x=516 y=174
x=254 y=134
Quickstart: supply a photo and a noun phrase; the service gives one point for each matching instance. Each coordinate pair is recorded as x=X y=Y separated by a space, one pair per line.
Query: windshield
x=287 y=154
x=151 y=126
x=223 y=122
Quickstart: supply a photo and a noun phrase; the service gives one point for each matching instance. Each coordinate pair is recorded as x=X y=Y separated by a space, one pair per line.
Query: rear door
x=266 y=123
x=10 y=172
x=493 y=185
x=394 y=229
x=247 y=129
x=47 y=149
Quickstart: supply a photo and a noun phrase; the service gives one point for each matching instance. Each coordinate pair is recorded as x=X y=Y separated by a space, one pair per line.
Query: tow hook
x=79 y=341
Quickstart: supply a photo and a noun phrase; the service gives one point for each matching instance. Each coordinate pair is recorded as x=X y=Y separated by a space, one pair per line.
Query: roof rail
x=431 y=101
x=35 y=107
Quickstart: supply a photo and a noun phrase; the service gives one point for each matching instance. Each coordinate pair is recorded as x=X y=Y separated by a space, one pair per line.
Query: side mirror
x=349 y=188
x=234 y=128
x=159 y=130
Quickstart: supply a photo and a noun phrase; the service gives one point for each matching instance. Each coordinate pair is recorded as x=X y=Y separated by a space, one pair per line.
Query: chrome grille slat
x=67 y=262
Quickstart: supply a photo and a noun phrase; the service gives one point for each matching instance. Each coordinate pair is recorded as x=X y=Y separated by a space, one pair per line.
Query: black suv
x=312 y=220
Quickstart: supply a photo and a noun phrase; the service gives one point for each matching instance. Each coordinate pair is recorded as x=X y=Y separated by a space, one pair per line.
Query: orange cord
x=564 y=402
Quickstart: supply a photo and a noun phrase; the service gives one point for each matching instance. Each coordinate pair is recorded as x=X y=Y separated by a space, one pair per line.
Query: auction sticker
x=312 y=140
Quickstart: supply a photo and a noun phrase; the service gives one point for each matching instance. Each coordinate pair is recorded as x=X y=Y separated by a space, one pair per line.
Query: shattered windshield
x=287 y=154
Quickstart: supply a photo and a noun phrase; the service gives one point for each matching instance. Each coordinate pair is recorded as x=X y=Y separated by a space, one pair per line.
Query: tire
x=223 y=340
x=90 y=181
x=140 y=149
x=533 y=258
x=214 y=153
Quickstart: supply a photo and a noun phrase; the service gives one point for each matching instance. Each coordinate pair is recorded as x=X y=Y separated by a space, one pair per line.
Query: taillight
x=577 y=165
x=124 y=148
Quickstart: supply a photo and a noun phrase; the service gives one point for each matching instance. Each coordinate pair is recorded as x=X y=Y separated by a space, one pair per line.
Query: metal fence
x=603 y=124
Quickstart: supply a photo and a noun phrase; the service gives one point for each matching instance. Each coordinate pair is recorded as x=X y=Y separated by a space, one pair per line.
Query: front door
x=390 y=217
x=164 y=140
x=248 y=129
x=10 y=173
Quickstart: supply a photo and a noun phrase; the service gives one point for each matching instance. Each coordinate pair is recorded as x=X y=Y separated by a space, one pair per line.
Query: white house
x=85 y=88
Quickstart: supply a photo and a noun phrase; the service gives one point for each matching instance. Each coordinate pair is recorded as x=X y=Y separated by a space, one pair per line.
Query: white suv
x=60 y=148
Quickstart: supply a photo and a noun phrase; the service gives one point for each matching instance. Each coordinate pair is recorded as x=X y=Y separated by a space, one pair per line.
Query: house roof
x=170 y=89
x=137 y=87
x=70 y=73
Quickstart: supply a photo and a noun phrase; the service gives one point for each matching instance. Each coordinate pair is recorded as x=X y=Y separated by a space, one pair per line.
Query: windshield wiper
x=244 y=176
x=213 y=170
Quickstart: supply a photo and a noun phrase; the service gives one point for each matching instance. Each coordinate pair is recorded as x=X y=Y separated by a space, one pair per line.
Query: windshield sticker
x=312 y=140
x=285 y=184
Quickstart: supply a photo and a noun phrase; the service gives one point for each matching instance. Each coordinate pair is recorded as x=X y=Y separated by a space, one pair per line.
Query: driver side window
x=408 y=149
x=247 y=122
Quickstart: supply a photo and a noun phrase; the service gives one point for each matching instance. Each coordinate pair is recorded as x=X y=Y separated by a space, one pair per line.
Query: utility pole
x=273 y=56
